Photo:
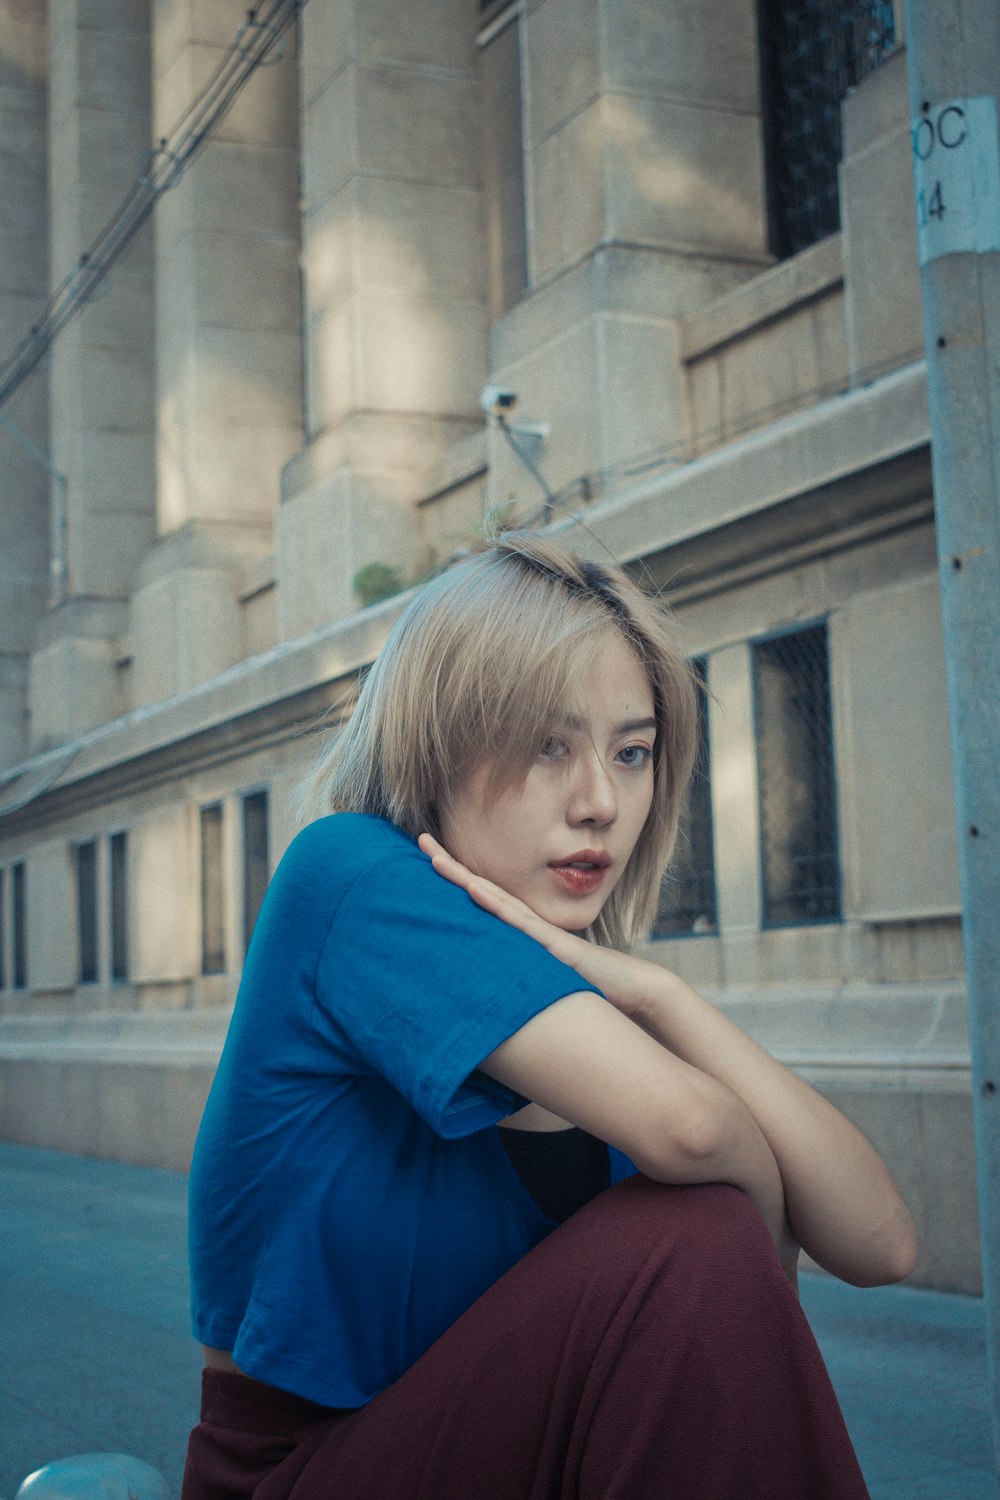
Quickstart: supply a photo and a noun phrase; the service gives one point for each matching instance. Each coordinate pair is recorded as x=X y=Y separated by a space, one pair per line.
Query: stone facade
x=282 y=386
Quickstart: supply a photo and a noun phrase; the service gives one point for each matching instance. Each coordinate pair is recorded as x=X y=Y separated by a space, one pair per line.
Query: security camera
x=497 y=401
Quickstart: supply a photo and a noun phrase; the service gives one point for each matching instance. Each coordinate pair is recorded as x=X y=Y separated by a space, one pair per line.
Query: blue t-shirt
x=349 y=1197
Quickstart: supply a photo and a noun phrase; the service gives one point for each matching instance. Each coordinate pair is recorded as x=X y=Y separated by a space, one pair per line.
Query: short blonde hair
x=485 y=659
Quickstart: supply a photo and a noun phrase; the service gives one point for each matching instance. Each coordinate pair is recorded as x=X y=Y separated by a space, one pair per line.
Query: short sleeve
x=422 y=985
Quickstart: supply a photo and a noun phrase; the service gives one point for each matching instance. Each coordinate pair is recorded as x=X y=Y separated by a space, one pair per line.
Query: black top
x=561 y=1169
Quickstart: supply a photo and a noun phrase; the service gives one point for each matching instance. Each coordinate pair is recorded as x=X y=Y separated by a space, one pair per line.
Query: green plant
x=377 y=580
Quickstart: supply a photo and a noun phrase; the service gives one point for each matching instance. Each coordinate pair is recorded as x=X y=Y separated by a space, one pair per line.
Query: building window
x=3 y=931
x=255 y=860
x=213 y=937
x=796 y=785
x=503 y=154
x=119 y=907
x=687 y=898
x=20 y=924
x=86 y=911
x=811 y=53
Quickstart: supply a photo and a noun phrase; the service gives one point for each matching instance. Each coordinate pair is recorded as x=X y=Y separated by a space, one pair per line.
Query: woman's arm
x=590 y=1065
x=842 y=1203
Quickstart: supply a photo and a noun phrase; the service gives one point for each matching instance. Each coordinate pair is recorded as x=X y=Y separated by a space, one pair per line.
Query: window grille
x=812 y=52
x=20 y=924
x=86 y=910
x=255 y=860
x=687 y=897
x=213 y=939
x=119 y=907
x=796 y=784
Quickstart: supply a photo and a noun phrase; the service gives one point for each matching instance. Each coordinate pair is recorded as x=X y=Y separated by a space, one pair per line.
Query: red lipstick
x=583 y=872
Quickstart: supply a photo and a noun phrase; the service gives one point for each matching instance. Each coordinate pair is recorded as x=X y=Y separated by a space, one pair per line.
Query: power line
x=257 y=42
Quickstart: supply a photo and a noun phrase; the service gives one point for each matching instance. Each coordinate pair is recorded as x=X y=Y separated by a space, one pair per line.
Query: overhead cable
x=258 y=41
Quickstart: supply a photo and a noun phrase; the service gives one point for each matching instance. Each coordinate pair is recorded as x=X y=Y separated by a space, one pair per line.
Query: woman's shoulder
x=345 y=845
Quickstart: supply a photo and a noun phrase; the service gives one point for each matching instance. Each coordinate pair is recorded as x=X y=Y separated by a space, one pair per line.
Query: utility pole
x=953 y=62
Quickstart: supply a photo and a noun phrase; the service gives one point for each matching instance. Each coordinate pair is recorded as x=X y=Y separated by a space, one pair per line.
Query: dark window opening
x=811 y=53
x=119 y=908
x=687 y=897
x=255 y=860
x=20 y=924
x=796 y=782
x=86 y=910
x=503 y=167
x=213 y=937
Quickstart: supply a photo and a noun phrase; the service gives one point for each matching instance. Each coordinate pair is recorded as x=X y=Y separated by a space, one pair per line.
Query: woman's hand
x=619 y=976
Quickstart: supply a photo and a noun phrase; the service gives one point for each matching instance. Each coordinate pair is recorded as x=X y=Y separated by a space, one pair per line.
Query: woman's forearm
x=736 y=1150
x=843 y=1206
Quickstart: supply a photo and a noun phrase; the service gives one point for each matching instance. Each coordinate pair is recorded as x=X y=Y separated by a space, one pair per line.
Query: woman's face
x=560 y=841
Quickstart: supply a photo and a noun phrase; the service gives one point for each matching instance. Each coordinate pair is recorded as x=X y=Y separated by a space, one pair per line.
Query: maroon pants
x=649 y=1348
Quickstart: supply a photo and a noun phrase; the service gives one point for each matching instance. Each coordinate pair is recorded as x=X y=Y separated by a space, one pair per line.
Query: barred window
x=255 y=860
x=812 y=52
x=687 y=898
x=798 y=819
x=86 y=910
x=119 y=907
x=20 y=925
x=213 y=936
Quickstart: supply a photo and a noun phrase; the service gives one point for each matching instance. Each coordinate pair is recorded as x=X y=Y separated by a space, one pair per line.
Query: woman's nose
x=593 y=798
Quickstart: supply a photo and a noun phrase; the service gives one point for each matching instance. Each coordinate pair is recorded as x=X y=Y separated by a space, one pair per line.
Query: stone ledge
x=772 y=294
x=828 y=448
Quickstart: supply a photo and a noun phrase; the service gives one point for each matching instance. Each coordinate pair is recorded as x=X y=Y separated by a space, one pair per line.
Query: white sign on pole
x=956 y=162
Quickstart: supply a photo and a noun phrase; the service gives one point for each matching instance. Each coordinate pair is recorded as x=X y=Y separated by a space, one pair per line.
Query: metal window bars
x=800 y=866
x=812 y=52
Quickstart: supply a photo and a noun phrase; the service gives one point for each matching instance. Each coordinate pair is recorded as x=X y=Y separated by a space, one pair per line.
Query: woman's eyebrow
x=632 y=726
x=627 y=726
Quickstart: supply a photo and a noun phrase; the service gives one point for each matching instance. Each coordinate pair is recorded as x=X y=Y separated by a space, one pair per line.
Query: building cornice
x=824 y=478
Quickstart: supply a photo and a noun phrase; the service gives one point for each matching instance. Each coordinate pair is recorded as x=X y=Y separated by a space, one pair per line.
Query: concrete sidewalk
x=95 y=1352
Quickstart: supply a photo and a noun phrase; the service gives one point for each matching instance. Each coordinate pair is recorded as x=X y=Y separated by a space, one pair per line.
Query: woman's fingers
x=618 y=975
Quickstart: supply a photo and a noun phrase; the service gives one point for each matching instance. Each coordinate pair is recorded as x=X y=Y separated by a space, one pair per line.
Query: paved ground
x=95 y=1353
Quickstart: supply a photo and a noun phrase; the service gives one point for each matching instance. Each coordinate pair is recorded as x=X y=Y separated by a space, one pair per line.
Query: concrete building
x=682 y=237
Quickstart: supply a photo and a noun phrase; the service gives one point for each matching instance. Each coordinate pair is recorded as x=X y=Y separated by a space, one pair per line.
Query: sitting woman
x=482 y=1204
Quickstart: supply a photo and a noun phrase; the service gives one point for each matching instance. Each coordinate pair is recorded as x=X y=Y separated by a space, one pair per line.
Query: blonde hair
x=485 y=659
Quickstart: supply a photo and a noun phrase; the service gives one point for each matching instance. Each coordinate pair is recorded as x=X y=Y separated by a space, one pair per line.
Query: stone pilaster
x=394 y=283
x=24 y=483
x=228 y=350
x=644 y=199
x=101 y=365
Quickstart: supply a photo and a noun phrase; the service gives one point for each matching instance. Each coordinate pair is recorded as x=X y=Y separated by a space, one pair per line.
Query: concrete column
x=645 y=198
x=24 y=514
x=101 y=377
x=394 y=285
x=228 y=350
x=53 y=948
x=163 y=898
x=101 y=371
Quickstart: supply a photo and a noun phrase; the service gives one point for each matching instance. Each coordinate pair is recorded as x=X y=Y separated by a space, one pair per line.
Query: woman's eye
x=635 y=756
x=552 y=748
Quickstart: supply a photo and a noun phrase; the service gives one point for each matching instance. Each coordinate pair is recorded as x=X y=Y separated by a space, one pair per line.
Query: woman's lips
x=583 y=874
